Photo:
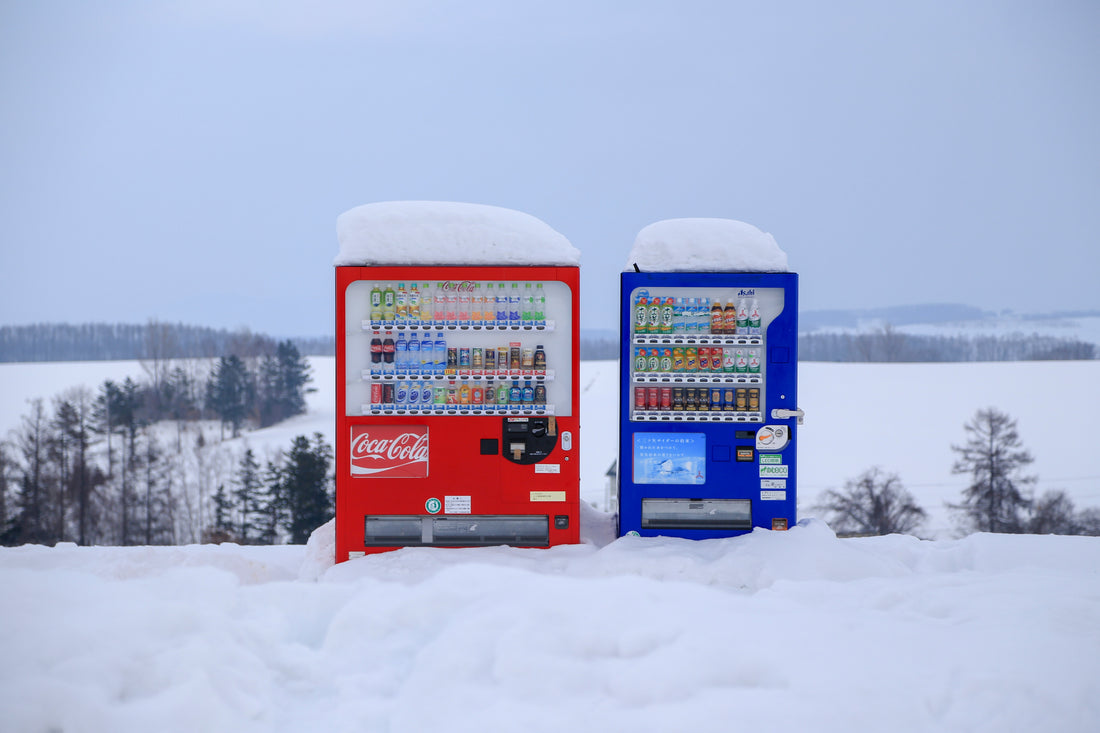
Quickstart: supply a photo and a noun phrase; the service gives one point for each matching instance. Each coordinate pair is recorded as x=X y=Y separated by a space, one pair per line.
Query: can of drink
x=641 y=355
x=464 y=358
x=728 y=400
x=502 y=360
x=477 y=358
x=387 y=394
x=690 y=399
x=691 y=359
x=754 y=399
x=376 y=393
x=527 y=362
x=490 y=360
x=666 y=398
x=677 y=398
x=715 y=399
x=666 y=359
x=741 y=399
x=452 y=360
x=639 y=398
x=678 y=358
x=515 y=357
x=439 y=395
x=653 y=398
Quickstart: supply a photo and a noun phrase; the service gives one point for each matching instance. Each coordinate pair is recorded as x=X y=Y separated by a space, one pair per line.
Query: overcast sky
x=186 y=161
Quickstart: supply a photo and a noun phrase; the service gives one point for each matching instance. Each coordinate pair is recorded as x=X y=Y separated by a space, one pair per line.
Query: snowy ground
x=783 y=631
x=786 y=631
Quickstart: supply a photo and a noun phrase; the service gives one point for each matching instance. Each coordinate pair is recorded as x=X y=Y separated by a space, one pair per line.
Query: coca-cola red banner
x=389 y=451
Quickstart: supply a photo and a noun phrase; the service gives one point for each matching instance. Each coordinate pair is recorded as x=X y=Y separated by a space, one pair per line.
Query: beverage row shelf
x=695 y=416
x=547 y=376
x=454 y=410
x=695 y=378
x=433 y=327
x=699 y=339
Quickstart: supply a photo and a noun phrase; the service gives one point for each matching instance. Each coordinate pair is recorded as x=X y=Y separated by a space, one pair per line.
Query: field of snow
x=781 y=631
x=902 y=417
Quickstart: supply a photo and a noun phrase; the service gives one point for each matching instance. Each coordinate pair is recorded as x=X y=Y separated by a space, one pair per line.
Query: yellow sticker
x=547 y=496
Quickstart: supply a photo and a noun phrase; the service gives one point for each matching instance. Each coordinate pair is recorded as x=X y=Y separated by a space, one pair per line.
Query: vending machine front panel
x=708 y=403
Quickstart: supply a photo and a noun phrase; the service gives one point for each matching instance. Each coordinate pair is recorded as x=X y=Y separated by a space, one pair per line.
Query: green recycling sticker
x=433 y=505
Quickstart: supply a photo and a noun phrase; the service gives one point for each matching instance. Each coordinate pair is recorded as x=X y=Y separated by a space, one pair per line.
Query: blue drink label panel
x=708 y=403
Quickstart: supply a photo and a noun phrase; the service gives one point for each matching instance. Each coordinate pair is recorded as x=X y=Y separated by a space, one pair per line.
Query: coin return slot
x=696 y=514
x=454 y=531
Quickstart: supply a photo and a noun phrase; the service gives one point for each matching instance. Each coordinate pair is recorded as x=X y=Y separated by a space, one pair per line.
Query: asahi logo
x=746 y=293
x=395 y=451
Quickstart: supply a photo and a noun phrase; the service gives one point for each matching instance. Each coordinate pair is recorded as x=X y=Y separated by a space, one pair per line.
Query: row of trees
x=102 y=469
x=887 y=344
x=998 y=497
x=128 y=341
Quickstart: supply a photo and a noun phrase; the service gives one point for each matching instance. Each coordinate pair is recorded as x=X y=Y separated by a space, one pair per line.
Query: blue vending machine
x=708 y=403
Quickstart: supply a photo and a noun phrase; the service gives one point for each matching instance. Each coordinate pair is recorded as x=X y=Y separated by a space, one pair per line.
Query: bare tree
x=995 y=458
x=874 y=503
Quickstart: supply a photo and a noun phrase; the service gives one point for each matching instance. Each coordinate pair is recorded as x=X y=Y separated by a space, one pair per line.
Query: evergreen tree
x=307 y=486
x=994 y=458
x=222 y=531
x=875 y=503
x=294 y=376
x=249 y=499
x=230 y=392
x=274 y=509
x=8 y=527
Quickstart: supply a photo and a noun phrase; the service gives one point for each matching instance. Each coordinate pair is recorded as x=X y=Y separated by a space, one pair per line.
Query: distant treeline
x=890 y=345
x=127 y=341
x=121 y=341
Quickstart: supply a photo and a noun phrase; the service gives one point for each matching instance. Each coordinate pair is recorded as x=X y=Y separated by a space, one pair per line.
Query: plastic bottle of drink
x=702 y=315
x=489 y=306
x=641 y=313
x=514 y=306
x=502 y=396
x=540 y=306
x=412 y=400
x=717 y=317
x=414 y=355
x=426 y=395
x=388 y=353
x=653 y=318
x=401 y=395
x=515 y=394
x=389 y=304
x=440 y=364
x=401 y=353
x=667 y=309
x=528 y=393
x=426 y=304
x=540 y=394
x=729 y=317
x=502 y=305
x=439 y=312
x=427 y=355
x=376 y=353
x=414 y=305
x=402 y=305
x=462 y=315
x=376 y=303
x=754 y=317
x=452 y=308
x=476 y=305
x=527 y=313
x=743 y=316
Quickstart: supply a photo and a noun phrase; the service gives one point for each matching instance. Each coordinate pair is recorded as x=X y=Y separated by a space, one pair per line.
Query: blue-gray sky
x=186 y=161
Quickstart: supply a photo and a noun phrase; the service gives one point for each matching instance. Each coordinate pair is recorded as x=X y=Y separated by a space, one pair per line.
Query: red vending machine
x=457 y=396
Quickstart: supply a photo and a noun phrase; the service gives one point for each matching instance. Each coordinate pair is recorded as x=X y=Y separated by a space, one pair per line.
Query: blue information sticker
x=670 y=458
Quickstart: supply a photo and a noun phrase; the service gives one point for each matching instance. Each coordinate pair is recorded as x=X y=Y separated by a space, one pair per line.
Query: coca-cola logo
x=462 y=286
x=397 y=451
